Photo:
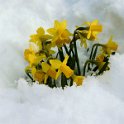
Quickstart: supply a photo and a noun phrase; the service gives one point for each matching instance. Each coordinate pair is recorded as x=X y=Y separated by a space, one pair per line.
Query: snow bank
x=42 y=105
x=19 y=19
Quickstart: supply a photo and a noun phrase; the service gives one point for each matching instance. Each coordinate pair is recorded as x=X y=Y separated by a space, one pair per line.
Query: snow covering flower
x=62 y=67
x=60 y=35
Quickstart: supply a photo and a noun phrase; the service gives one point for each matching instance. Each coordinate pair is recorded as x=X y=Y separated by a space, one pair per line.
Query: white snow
x=99 y=101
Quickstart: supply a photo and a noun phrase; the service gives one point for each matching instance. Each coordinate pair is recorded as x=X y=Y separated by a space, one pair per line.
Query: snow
x=113 y=80
x=99 y=101
x=40 y=104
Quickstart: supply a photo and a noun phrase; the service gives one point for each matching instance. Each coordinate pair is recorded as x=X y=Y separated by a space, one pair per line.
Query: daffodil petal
x=52 y=73
x=40 y=31
x=56 y=24
x=45 y=67
x=33 y=71
x=88 y=35
x=95 y=22
x=55 y=63
x=83 y=40
x=78 y=79
x=66 y=70
x=64 y=24
x=66 y=59
x=45 y=79
x=51 y=31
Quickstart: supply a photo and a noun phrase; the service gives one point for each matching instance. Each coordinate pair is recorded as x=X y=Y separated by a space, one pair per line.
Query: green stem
x=57 y=54
x=49 y=82
x=61 y=54
x=72 y=42
x=95 y=45
x=86 y=63
x=66 y=49
x=77 y=58
x=93 y=57
x=63 y=77
x=29 y=76
x=103 y=68
x=71 y=82
x=95 y=52
x=73 y=45
x=74 y=37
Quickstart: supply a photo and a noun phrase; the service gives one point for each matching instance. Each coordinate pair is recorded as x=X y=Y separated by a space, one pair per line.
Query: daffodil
x=94 y=29
x=47 y=48
x=49 y=71
x=83 y=40
x=100 y=60
x=89 y=32
x=100 y=57
x=60 y=34
x=28 y=69
x=40 y=37
x=38 y=75
x=110 y=46
x=62 y=67
x=32 y=57
x=78 y=79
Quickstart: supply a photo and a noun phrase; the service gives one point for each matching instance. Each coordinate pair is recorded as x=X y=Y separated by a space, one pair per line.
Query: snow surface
x=99 y=101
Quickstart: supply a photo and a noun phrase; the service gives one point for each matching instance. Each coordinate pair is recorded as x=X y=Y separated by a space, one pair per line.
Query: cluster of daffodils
x=61 y=67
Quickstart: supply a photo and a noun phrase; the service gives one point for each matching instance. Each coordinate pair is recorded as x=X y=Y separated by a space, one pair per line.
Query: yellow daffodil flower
x=94 y=29
x=28 y=69
x=100 y=57
x=49 y=71
x=60 y=35
x=32 y=57
x=110 y=46
x=78 y=79
x=39 y=37
x=62 y=67
x=47 y=49
x=100 y=60
x=83 y=40
x=38 y=75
